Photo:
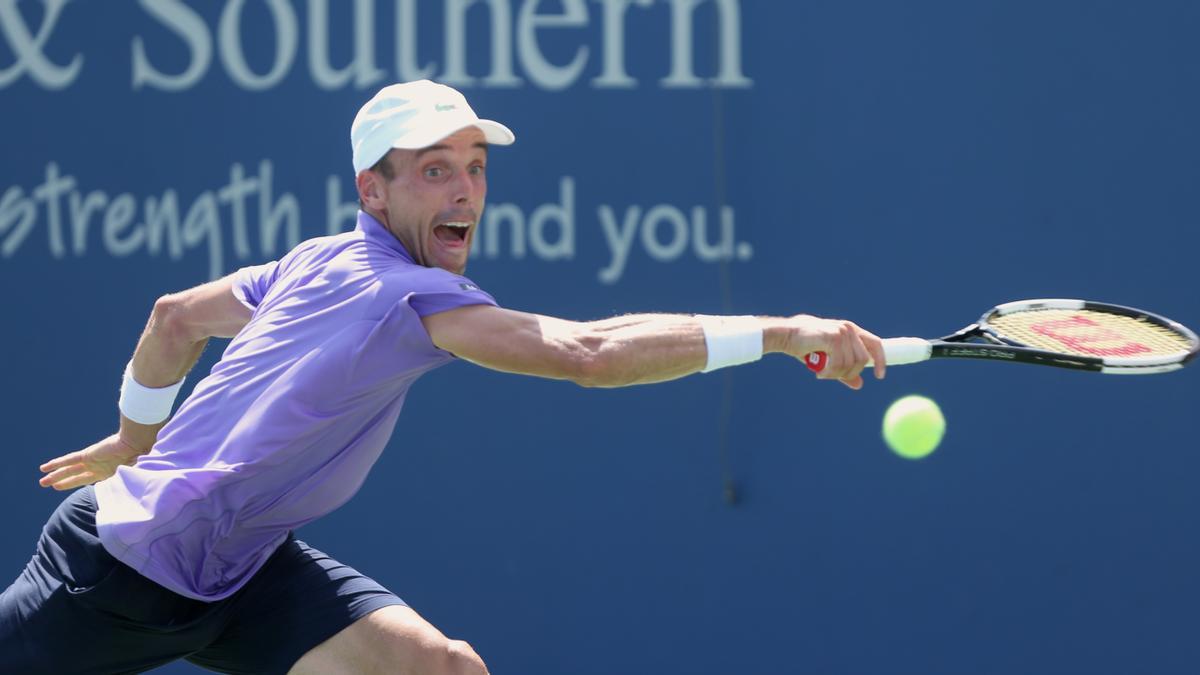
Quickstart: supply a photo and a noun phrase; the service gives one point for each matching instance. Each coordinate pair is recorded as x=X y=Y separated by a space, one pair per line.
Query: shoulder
x=430 y=290
x=420 y=278
x=317 y=250
x=329 y=242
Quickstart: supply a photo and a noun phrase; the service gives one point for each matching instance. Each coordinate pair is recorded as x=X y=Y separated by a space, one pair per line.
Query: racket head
x=1124 y=340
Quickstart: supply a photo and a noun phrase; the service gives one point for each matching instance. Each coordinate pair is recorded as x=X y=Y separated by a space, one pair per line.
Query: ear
x=371 y=190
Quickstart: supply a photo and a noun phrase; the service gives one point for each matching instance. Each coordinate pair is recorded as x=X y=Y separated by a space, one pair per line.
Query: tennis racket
x=1075 y=334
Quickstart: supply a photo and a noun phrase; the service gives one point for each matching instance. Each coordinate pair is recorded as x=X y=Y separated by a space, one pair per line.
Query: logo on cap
x=443 y=108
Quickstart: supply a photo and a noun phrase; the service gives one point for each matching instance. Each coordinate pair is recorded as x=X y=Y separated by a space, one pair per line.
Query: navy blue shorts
x=76 y=609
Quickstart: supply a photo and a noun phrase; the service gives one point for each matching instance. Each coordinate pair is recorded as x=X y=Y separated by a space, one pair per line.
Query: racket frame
x=997 y=346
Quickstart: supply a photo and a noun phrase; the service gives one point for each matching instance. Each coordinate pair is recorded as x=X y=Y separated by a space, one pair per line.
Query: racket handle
x=898 y=351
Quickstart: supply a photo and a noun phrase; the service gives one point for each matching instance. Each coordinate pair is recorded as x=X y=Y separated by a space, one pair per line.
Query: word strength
x=158 y=224
x=251 y=219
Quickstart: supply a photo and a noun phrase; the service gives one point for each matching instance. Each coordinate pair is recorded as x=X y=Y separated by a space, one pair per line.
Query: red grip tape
x=816 y=361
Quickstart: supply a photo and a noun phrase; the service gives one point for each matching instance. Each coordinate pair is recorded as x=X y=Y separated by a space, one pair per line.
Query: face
x=434 y=200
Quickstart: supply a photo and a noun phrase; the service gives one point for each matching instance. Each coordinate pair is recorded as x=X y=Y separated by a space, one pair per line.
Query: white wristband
x=143 y=404
x=731 y=340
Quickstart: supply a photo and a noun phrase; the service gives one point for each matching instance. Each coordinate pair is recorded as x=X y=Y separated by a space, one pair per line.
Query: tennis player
x=183 y=548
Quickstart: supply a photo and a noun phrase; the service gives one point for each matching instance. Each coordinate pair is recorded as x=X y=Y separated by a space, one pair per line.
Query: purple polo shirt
x=288 y=423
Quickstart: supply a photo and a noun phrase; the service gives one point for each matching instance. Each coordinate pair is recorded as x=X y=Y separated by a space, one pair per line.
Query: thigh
x=390 y=640
x=298 y=600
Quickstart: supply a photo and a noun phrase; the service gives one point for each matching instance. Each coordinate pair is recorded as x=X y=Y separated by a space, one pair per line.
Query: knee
x=441 y=656
x=458 y=658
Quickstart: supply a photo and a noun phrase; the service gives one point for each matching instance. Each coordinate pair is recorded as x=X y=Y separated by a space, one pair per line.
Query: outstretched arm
x=174 y=338
x=636 y=348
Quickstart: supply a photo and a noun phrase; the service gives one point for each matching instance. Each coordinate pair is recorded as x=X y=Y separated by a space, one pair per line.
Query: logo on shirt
x=467 y=287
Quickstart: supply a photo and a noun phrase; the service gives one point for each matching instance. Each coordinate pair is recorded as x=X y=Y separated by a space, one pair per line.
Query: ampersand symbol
x=30 y=49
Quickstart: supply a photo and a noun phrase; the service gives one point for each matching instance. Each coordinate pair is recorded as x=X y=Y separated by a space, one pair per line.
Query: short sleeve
x=250 y=284
x=440 y=291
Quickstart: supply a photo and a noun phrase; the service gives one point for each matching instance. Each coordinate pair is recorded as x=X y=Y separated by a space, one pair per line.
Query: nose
x=468 y=189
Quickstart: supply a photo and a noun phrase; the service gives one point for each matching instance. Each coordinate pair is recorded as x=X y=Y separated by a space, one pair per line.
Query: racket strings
x=1085 y=332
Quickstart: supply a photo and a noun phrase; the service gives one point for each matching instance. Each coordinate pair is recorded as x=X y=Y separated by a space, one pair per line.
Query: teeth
x=461 y=226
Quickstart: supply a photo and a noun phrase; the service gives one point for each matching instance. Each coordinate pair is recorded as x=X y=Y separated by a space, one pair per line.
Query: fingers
x=850 y=350
x=874 y=346
x=94 y=463
x=58 y=478
x=85 y=478
x=859 y=358
x=837 y=363
x=847 y=355
x=65 y=460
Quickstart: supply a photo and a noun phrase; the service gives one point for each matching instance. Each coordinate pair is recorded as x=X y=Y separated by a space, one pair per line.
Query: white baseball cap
x=415 y=115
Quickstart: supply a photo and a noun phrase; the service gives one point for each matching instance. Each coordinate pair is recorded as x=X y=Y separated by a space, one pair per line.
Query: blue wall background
x=904 y=165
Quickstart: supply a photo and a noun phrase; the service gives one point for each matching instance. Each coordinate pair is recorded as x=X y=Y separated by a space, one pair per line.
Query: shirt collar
x=374 y=231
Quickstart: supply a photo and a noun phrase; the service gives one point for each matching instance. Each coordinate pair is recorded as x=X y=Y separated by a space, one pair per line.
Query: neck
x=377 y=215
x=382 y=218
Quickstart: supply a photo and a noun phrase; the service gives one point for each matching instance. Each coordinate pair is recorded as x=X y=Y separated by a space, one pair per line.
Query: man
x=183 y=549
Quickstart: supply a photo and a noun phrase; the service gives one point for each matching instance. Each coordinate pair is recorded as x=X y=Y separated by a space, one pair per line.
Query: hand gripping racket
x=1075 y=334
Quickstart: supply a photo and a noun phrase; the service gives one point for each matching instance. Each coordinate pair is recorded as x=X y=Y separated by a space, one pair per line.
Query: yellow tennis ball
x=913 y=426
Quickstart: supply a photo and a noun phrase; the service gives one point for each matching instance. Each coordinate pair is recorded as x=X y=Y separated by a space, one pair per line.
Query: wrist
x=731 y=340
x=146 y=405
x=134 y=450
x=777 y=335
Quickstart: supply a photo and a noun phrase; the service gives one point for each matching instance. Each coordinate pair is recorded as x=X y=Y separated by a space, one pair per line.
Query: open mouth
x=452 y=234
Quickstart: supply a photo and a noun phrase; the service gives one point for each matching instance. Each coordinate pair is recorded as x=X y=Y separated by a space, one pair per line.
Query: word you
x=665 y=233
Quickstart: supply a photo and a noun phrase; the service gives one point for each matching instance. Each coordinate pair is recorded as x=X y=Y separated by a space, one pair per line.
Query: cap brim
x=496 y=133
x=493 y=132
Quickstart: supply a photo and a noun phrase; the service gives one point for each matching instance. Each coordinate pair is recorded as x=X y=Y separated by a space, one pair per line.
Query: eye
x=476 y=170
x=434 y=172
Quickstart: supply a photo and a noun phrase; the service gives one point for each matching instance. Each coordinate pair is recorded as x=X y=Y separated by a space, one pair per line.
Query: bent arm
x=626 y=350
x=175 y=335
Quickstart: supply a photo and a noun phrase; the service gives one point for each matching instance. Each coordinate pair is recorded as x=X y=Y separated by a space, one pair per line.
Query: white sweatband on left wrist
x=145 y=405
x=731 y=340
